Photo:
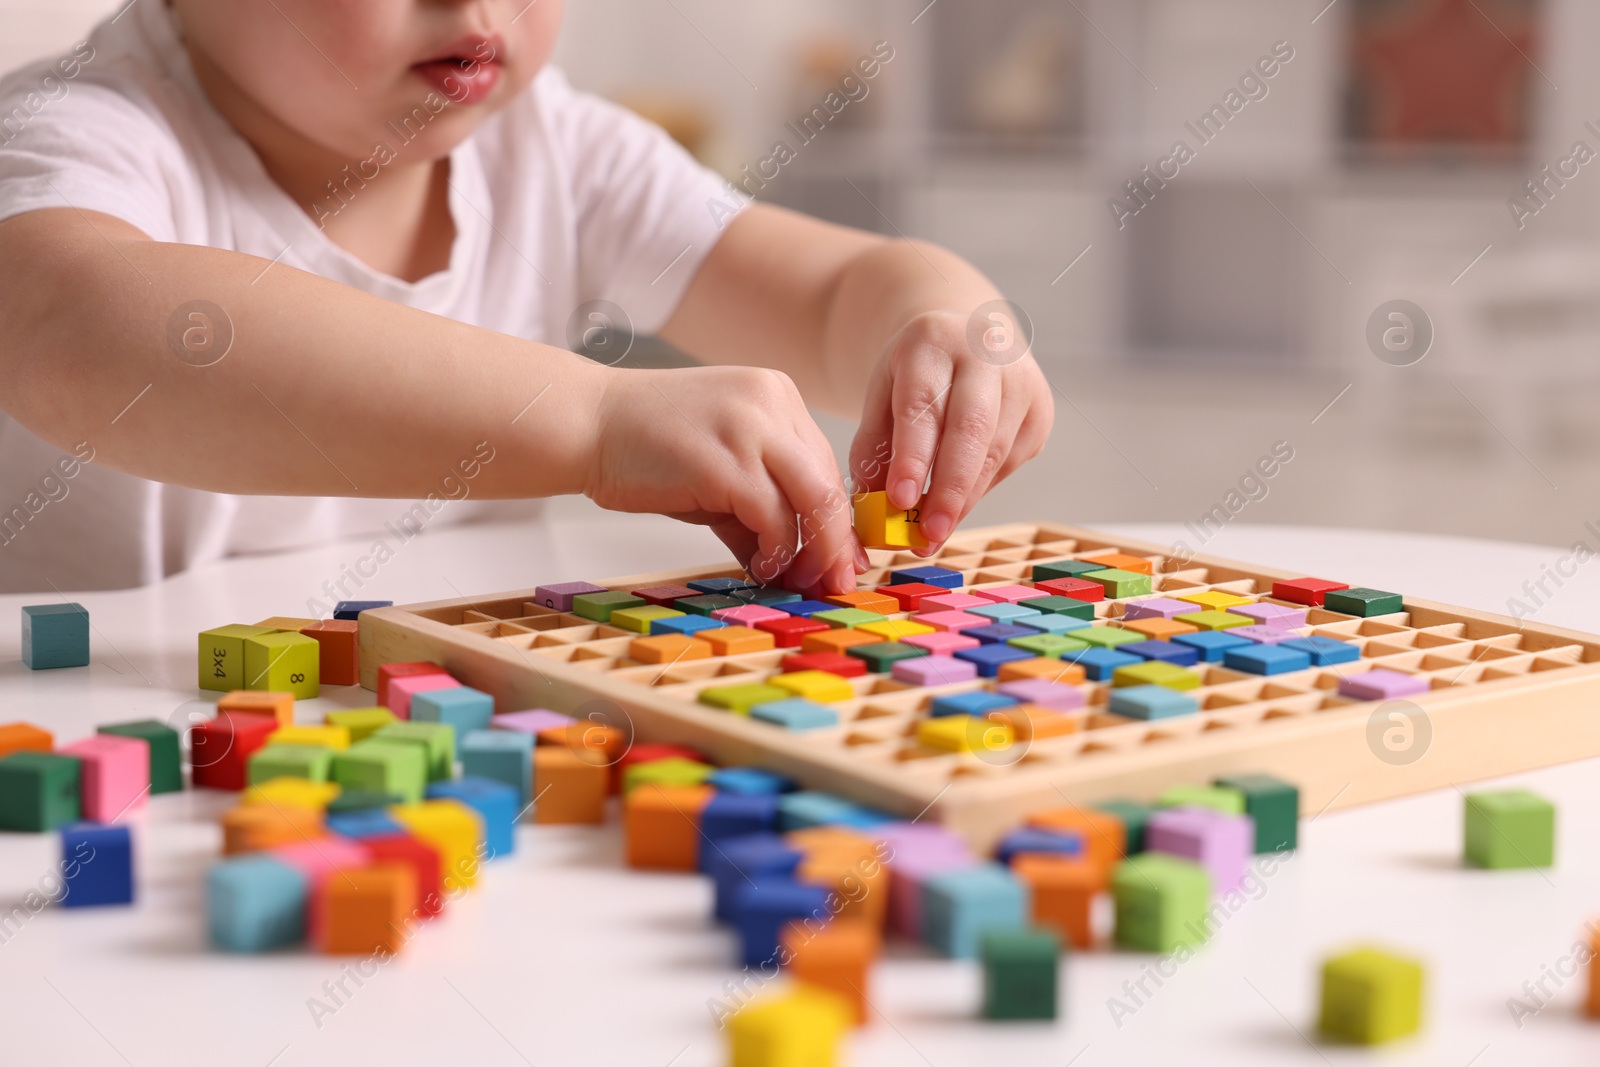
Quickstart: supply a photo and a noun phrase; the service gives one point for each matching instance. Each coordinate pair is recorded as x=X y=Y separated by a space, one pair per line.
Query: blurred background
x=1191 y=308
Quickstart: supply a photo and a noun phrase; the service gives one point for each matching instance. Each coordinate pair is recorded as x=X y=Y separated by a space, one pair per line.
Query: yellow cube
x=820 y=686
x=453 y=829
x=965 y=733
x=300 y=793
x=283 y=663
x=802 y=1028
x=222 y=656
x=334 y=737
x=1155 y=672
x=638 y=619
x=879 y=525
x=895 y=629
x=360 y=723
x=1215 y=601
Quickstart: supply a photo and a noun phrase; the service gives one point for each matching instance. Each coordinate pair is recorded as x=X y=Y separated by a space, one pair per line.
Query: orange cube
x=1030 y=722
x=668 y=648
x=364 y=909
x=253 y=827
x=1591 y=1006
x=1105 y=838
x=866 y=601
x=22 y=736
x=339 y=652
x=857 y=878
x=817 y=839
x=1051 y=670
x=1157 y=629
x=662 y=826
x=837 y=958
x=1063 y=892
x=1118 y=561
x=279 y=706
x=737 y=640
x=568 y=787
x=836 y=640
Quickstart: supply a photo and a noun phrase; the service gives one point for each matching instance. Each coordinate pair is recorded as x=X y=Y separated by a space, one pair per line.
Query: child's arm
x=849 y=314
x=330 y=391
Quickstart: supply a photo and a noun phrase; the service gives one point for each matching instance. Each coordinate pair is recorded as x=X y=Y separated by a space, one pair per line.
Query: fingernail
x=862 y=562
x=936 y=527
x=802 y=574
x=904 y=494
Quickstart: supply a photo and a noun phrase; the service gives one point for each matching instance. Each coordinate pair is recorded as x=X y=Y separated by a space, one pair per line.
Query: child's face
x=349 y=74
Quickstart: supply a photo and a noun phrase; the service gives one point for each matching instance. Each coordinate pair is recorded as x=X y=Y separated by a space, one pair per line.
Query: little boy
x=321 y=250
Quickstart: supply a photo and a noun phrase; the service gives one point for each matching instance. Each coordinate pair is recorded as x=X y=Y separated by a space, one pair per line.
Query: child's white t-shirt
x=559 y=199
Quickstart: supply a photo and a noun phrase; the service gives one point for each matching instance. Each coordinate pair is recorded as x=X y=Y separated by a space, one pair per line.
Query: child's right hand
x=732 y=448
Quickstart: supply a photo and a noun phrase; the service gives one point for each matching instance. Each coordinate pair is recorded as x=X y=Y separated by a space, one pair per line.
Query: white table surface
x=565 y=957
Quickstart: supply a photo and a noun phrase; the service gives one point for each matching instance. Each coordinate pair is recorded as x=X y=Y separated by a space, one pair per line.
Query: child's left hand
x=960 y=397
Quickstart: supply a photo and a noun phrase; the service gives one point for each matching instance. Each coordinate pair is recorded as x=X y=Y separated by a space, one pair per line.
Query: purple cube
x=932 y=670
x=1381 y=684
x=1160 y=607
x=1222 y=844
x=532 y=721
x=1263 y=635
x=1044 y=692
x=1274 y=615
x=560 y=596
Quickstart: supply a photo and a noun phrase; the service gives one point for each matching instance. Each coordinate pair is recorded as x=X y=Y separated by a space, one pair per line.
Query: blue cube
x=1029 y=841
x=720 y=586
x=497 y=804
x=988 y=658
x=1266 y=659
x=255 y=903
x=688 y=625
x=1012 y=613
x=805 y=608
x=998 y=633
x=750 y=781
x=766 y=596
x=729 y=815
x=795 y=713
x=762 y=910
x=1324 y=651
x=502 y=755
x=97 y=865
x=1211 y=644
x=740 y=861
x=1162 y=652
x=943 y=577
x=978 y=702
x=1100 y=663
x=350 y=610
x=55 y=635
x=803 y=810
x=959 y=907
x=461 y=708
x=1152 y=702
x=367 y=822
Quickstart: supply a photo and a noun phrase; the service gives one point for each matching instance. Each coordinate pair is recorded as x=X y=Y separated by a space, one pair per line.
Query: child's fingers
x=871 y=448
x=922 y=391
x=969 y=432
x=823 y=508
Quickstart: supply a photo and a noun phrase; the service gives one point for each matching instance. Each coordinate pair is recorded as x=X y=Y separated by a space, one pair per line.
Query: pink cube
x=1274 y=615
x=114 y=777
x=1044 y=692
x=559 y=596
x=748 y=614
x=1262 y=635
x=317 y=861
x=941 y=642
x=953 y=602
x=1159 y=607
x=401 y=690
x=1222 y=844
x=951 y=621
x=933 y=670
x=1010 y=594
x=1381 y=684
x=531 y=721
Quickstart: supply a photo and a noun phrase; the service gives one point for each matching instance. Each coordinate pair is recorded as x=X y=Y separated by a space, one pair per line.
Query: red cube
x=912 y=594
x=662 y=596
x=1076 y=588
x=220 y=749
x=832 y=662
x=422 y=858
x=791 y=629
x=1309 y=591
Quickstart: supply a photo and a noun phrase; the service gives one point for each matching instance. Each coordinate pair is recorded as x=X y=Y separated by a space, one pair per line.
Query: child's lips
x=461 y=81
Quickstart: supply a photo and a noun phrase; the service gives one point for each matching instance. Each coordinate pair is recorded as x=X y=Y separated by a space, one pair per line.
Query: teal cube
x=39 y=791
x=255 y=904
x=1019 y=974
x=960 y=907
x=55 y=635
x=1274 y=805
x=1509 y=828
x=166 y=764
x=461 y=708
x=1161 y=902
x=1062 y=568
x=503 y=756
x=1063 y=605
x=435 y=740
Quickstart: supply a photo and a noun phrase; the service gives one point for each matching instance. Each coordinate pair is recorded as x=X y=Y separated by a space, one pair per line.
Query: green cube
x=397 y=767
x=361 y=800
x=361 y=722
x=1154 y=672
x=280 y=662
x=38 y=791
x=311 y=762
x=741 y=698
x=1119 y=583
x=1019 y=974
x=55 y=635
x=1062 y=568
x=1370 y=996
x=672 y=771
x=637 y=620
x=1107 y=636
x=222 y=656
x=166 y=764
x=436 y=741
x=847 y=618
x=706 y=603
x=1134 y=816
x=1215 y=797
x=597 y=607
x=1363 y=602
x=1062 y=605
x=1051 y=646
x=1510 y=828
x=880 y=658
x=1274 y=805
x=1161 y=902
